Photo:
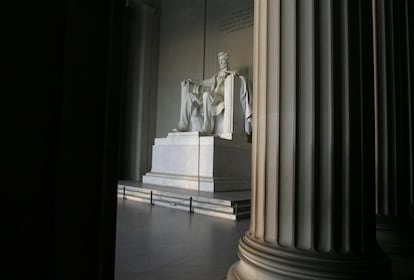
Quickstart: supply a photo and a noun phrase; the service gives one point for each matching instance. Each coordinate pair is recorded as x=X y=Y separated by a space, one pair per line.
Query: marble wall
x=139 y=97
x=192 y=32
x=168 y=41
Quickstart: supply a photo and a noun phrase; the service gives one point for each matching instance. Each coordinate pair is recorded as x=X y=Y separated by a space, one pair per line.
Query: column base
x=396 y=236
x=259 y=261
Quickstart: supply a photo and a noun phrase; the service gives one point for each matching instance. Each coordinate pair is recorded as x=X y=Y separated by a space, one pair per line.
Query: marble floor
x=154 y=242
x=162 y=243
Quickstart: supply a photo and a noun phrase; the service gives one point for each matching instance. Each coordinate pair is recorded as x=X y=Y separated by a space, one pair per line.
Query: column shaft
x=313 y=173
x=395 y=227
x=409 y=17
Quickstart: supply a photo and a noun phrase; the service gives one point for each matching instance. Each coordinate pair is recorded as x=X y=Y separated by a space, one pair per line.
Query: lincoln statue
x=205 y=98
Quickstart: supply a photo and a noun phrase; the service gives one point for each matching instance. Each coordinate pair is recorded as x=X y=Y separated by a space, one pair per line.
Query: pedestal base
x=189 y=160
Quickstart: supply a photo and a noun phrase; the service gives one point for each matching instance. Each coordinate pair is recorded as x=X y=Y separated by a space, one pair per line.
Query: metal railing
x=182 y=202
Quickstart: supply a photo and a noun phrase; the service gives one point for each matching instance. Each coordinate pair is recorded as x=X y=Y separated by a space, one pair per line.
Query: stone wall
x=192 y=32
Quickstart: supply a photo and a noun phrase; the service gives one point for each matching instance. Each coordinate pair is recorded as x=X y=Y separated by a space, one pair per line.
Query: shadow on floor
x=162 y=243
x=154 y=243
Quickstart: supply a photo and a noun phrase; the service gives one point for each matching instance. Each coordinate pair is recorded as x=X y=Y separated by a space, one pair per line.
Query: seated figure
x=207 y=98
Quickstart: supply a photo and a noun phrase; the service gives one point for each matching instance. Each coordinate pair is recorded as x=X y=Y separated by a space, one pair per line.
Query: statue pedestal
x=189 y=160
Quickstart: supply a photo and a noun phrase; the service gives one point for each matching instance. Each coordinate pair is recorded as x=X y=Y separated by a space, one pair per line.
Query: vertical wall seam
x=204 y=39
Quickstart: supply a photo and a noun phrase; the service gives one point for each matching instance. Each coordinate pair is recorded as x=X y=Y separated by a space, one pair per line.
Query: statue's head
x=224 y=60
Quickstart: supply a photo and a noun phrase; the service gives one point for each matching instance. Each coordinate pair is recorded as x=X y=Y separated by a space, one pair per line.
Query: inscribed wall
x=192 y=33
x=180 y=56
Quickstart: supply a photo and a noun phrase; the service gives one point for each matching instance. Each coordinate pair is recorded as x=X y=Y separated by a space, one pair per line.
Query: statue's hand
x=187 y=82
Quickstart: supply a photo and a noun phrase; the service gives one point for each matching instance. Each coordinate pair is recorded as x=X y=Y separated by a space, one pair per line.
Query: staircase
x=228 y=205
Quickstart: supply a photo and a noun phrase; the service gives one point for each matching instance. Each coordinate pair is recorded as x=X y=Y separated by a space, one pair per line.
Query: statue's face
x=223 y=62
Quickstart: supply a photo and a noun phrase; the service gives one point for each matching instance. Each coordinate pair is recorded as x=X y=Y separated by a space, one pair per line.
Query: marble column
x=140 y=89
x=313 y=158
x=410 y=53
x=394 y=136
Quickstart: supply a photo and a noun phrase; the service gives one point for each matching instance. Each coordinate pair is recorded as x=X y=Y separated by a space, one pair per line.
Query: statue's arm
x=208 y=82
x=188 y=82
x=207 y=85
x=192 y=86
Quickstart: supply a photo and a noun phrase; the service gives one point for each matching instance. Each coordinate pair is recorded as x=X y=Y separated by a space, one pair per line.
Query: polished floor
x=163 y=243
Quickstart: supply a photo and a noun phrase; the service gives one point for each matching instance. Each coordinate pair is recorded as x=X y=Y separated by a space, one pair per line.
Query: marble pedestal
x=206 y=163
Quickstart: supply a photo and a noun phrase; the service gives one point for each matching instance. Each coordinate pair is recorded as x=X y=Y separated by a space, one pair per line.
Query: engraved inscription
x=238 y=20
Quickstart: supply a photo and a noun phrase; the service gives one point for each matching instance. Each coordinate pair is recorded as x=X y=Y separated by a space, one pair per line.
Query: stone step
x=231 y=206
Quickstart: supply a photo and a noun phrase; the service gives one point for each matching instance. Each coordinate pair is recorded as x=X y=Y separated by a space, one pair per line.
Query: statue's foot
x=206 y=131
x=180 y=129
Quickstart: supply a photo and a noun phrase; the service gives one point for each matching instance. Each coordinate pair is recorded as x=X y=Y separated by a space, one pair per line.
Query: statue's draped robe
x=215 y=88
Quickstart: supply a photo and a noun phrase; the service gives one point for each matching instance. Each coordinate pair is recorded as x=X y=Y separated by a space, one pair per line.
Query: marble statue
x=219 y=110
x=206 y=98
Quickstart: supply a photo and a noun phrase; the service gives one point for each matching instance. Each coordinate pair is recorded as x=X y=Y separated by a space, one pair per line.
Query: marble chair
x=235 y=119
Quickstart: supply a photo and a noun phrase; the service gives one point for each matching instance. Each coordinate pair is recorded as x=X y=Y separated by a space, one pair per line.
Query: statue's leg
x=185 y=112
x=208 y=124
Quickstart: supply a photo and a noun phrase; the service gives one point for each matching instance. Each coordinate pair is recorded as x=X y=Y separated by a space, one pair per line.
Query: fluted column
x=394 y=165
x=410 y=53
x=139 y=98
x=313 y=180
